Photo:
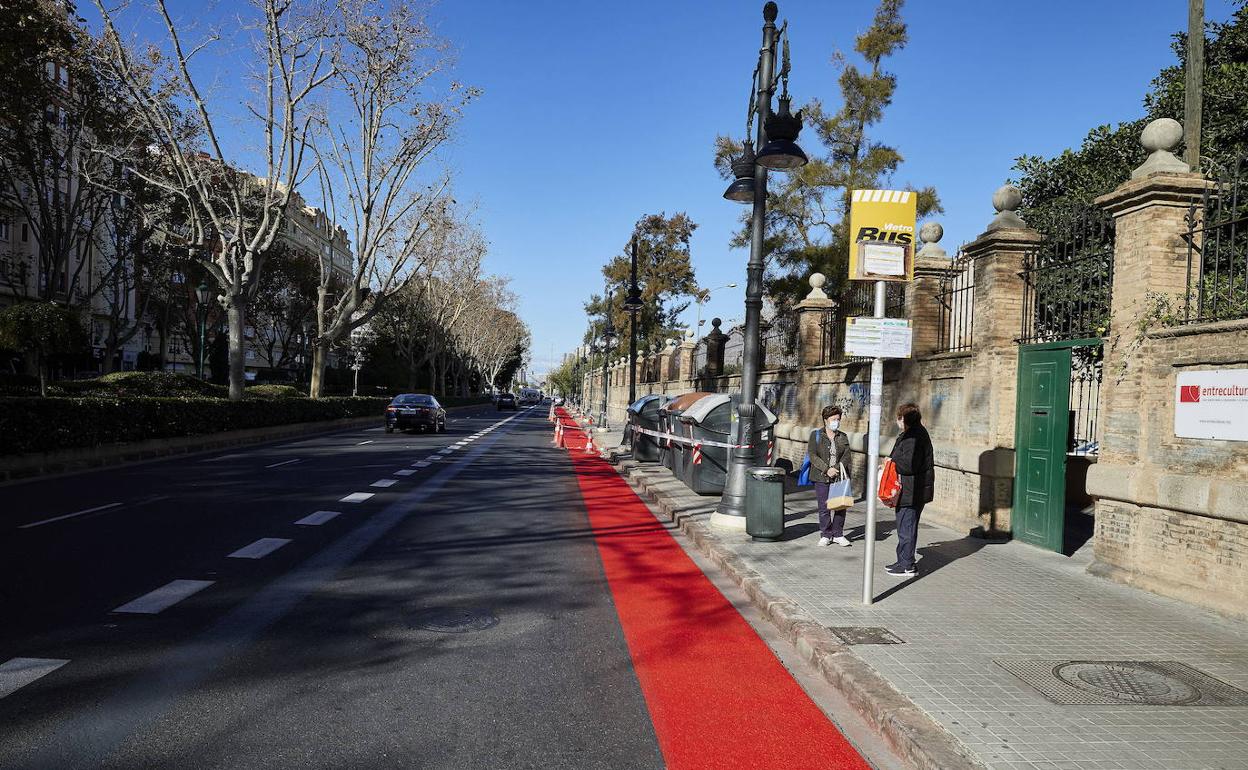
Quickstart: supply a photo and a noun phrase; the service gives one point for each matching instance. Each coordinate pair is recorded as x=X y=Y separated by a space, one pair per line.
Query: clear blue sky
x=596 y=113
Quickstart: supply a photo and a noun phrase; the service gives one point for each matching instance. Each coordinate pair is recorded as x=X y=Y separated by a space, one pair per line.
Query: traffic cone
x=589 y=444
x=560 y=439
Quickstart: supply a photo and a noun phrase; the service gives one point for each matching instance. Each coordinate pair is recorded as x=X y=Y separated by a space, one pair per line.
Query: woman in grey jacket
x=827 y=448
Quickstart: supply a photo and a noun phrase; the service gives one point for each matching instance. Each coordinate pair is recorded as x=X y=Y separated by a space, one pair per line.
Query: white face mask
x=832 y=423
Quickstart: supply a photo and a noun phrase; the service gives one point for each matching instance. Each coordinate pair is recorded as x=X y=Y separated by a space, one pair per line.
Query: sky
x=595 y=113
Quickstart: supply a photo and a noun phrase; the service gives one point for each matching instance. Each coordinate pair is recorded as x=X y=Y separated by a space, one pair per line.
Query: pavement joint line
x=161 y=599
x=260 y=549
x=318 y=518
x=286 y=462
x=356 y=497
x=96 y=509
x=383 y=483
x=89 y=738
x=16 y=673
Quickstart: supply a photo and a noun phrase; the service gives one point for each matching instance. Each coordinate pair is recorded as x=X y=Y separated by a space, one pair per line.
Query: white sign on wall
x=878 y=337
x=1212 y=404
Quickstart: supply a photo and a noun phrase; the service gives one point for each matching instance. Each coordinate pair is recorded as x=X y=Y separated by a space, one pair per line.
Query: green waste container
x=712 y=421
x=764 y=503
x=675 y=453
x=644 y=413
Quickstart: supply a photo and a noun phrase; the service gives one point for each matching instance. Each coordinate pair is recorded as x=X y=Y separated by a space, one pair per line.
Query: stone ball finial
x=1006 y=201
x=770 y=12
x=716 y=323
x=931 y=233
x=690 y=334
x=1160 y=137
x=817 y=282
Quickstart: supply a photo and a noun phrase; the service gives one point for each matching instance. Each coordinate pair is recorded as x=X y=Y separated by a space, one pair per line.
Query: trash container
x=675 y=450
x=764 y=503
x=711 y=423
x=644 y=413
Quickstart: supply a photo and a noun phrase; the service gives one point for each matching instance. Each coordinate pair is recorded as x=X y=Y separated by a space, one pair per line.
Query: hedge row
x=48 y=424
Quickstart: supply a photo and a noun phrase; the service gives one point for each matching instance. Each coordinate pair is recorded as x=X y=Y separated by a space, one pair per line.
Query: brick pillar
x=668 y=369
x=1150 y=263
x=998 y=319
x=685 y=358
x=715 y=341
x=810 y=312
x=931 y=266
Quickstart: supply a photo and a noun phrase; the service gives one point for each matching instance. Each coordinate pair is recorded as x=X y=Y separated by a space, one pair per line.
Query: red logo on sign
x=1189 y=394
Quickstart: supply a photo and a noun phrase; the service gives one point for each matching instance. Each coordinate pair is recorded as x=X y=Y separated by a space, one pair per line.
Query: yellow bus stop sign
x=881 y=223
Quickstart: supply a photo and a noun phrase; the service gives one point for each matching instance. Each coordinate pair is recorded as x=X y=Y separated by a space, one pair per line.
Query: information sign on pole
x=882 y=222
x=878 y=337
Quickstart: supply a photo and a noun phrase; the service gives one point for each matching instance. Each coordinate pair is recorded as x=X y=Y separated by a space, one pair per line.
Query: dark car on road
x=415 y=411
x=505 y=401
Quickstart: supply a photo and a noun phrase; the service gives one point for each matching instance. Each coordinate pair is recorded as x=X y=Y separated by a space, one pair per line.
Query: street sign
x=878 y=337
x=882 y=223
x=1212 y=404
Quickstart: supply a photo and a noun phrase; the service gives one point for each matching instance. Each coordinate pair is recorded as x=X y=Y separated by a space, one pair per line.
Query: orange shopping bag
x=889 y=490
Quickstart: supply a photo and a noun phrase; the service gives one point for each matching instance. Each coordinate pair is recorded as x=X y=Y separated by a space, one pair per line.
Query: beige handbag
x=840 y=496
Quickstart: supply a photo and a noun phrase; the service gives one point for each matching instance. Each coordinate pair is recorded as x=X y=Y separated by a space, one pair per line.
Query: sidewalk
x=976 y=608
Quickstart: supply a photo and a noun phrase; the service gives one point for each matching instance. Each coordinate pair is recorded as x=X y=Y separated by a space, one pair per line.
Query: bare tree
x=386 y=118
x=232 y=217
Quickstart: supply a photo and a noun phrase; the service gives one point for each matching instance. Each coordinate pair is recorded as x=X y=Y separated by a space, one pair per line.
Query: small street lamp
x=605 y=343
x=705 y=297
x=776 y=139
x=201 y=294
x=632 y=303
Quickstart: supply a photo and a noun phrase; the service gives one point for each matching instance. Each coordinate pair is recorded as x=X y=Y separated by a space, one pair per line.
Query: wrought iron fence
x=857 y=299
x=1086 y=370
x=779 y=342
x=1068 y=279
x=956 y=302
x=1217 y=249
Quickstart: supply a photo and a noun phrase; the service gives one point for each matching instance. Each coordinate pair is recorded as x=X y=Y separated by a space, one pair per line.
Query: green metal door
x=1040 y=442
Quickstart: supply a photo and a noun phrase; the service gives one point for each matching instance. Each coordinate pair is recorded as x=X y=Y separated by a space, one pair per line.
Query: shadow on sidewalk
x=936 y=556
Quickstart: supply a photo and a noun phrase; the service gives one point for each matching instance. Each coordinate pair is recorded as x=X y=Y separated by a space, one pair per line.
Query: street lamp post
x=777 y=132
x=632 y=303
x=201 y=312
x=700 y=301
x=607 y=340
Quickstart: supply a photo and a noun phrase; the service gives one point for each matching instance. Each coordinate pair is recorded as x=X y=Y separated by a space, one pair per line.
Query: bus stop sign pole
x=875 y=413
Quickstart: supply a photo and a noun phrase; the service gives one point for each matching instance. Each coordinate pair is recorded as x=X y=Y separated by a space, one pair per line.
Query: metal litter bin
x=644 y=413
x=711 y=423
x=764 y=503
x=675 y=451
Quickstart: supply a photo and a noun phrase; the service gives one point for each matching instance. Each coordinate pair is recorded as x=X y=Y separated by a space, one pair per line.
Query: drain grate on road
x=865 y=635
x=1123 y=682
x=454 y=620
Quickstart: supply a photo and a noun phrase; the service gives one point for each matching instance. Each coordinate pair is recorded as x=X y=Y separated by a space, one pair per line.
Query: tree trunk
x=235 y=319
x=320 y=355
x=43 y=374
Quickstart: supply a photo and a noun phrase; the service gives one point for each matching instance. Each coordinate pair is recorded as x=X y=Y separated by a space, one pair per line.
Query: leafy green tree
x=43 y=331
x=664 y=274
x=807 y=228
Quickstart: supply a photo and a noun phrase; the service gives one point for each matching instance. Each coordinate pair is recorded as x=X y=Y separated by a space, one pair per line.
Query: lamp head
x=741 y=190
x=781 y=151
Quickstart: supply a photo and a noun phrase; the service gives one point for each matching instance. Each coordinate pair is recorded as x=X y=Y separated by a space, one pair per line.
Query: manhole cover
x=865 y=635
x=1116 y=682
x=455 y=620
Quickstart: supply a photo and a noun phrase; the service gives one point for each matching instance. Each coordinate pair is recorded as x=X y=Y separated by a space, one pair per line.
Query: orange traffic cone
x=589 y=444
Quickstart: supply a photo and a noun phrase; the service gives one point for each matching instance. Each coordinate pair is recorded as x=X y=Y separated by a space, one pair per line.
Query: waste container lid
x=684 y=401
x=641 y=403
x=768 y=474
x=699 y=411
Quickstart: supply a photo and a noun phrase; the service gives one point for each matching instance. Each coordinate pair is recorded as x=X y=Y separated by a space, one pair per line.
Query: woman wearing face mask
x=827 y=448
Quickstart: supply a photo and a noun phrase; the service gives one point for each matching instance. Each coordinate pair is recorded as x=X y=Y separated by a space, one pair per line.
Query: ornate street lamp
x=632 y=303
x=777 y=142
x=605 y=343
x=201 y=312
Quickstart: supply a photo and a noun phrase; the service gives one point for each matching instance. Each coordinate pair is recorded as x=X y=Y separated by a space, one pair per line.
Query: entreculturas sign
x=1212 y=405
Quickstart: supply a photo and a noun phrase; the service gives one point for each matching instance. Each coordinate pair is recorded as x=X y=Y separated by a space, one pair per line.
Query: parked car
x=505 y=401
x=415 y=411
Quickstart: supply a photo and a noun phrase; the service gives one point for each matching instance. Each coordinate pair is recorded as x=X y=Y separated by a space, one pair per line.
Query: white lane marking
x=259 y=549
x=234 y=456
x=362 y=443
x=404 y=472
x=318 y=518
x=384 y=483
x=285 y=462
x=422 y=464
x=373 y=430
x=164 y=597
x=96 y=509
x=460 y=444
x=356 y=497
x=16 y=673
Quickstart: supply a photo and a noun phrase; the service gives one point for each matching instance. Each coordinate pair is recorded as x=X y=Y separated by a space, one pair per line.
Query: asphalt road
x=315 y=654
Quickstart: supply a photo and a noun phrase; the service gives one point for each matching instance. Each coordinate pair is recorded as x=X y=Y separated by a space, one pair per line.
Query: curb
x=917 y=738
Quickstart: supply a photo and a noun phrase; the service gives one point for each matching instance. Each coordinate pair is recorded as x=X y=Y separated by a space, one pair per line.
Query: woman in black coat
x=916 y=470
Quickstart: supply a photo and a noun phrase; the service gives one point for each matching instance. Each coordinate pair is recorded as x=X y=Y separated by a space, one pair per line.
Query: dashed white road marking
x=96 y=509
x=318 y=518
x=362 y=443
x=373 y=430
x=404 y=472
x=16 y=673
x=356 y=497
x=164 y=597
x=422 y=464
x=285 y=462
x=234 y=456
x=260 y=549
x=384 y=483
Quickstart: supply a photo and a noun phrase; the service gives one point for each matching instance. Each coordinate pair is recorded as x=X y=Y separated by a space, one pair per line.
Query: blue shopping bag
x=803 y=475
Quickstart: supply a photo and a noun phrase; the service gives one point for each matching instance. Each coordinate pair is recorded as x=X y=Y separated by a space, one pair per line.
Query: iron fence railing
x=1067 y=280
x=956 y=304
x=1217 y=248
